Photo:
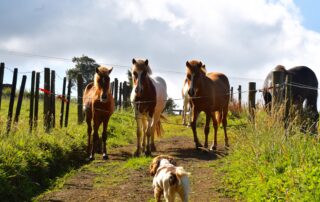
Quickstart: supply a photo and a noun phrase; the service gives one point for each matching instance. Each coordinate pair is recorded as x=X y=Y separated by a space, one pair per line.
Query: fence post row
x=80 y=101
x=46 y=100
x=33 y=75
x=231 y=94
x=36 y=100
x=52 y=100
x=252 y=100
x=20 y=97
x=1 y=80
x=68 y=103
x=116 y=91
x=12 y=96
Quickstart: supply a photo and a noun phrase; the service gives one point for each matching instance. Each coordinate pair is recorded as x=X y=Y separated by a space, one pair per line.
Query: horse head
x=140 y=71
x=102 y=82
x=268 y=86
x=195 y=72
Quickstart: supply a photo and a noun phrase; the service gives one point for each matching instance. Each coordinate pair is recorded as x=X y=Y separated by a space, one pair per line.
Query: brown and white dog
x=169 y=179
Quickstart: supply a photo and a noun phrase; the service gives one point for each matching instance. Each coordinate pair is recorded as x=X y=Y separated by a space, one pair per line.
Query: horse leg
x=195 y=115
x=224 y=124
x=104 y=139
x=139 y=128
x=207 y=129
x=215 y=127
x=89 y=130
x=150 y=130
x=144 y=131
x=96 y=125
x=184 y=112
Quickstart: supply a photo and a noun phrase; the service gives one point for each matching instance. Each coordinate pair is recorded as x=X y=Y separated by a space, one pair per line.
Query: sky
x=243 y=39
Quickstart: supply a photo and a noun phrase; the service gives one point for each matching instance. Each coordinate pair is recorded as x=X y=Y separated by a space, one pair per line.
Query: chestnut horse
x=186 y=119
x=209 y=92
x=98 y=105
x=148 y=97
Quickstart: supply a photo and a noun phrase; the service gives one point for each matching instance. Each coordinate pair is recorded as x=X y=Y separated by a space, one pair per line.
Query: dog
x=169 y=179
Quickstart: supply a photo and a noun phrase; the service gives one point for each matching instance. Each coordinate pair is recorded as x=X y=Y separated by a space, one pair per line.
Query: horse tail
x=159 y=127
x=218 y=117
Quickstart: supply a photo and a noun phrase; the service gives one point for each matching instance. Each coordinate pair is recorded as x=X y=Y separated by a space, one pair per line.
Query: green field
x=262 y=165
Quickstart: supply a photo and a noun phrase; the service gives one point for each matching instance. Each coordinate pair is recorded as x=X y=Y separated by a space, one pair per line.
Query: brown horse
x=98 y=105
x=209 y=92
x=148 y=96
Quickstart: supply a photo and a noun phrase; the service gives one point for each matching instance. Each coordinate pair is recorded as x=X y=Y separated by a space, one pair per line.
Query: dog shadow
x=192 y=153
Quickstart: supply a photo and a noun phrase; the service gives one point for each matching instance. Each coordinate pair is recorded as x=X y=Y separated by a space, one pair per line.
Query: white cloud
x=241 y=38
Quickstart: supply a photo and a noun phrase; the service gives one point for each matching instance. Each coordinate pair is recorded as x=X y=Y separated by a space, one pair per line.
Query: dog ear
x=154 y=167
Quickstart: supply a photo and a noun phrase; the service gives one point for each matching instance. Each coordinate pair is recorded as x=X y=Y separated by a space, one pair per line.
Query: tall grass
x=29 y=162
x=265 y=165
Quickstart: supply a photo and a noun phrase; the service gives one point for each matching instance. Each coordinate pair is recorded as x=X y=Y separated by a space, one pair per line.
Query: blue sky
x=310 y=12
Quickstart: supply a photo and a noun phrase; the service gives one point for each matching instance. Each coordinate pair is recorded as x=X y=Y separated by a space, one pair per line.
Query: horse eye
x=135 y=74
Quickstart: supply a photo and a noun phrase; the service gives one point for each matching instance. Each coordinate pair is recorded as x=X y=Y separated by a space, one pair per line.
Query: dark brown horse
x=98 y=105
x=304 y=90
x=209 y=92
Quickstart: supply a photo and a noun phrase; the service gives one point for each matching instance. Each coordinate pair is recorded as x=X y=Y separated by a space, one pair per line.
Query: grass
x=264 y=165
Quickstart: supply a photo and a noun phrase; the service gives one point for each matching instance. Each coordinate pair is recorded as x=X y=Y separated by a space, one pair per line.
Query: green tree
x=170 y=106
x=84 y=65
x=129 y=74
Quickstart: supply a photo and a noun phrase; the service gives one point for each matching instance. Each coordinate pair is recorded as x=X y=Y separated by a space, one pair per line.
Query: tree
x=170 y=106
x=129 y=74
x=84 y=65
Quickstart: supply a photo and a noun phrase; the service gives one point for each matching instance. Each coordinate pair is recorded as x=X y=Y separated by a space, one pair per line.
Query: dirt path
x=101 y=181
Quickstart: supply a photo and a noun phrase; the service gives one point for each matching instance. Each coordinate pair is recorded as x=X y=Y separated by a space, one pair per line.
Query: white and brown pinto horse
x=186 y=119
x=98 y=105
x=148 y=97
x=209 y=92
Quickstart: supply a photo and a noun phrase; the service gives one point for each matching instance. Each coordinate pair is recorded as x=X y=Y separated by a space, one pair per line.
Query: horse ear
x=146 y=62
x=188 y=64
x=200 y=64
x=110 y=70
x=97 y=70
x=134 y=61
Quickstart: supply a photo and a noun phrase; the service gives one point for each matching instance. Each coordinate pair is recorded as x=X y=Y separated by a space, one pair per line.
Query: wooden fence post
x=53 y=100
x=288 y=100
x=277 y=77
x=239 y=96
x=231 y=94
x=12 y=96
x=112 y=88
x=125 y=94
x=120 y=94
x=252 y=100
x=63 y=98
x=1 y=80
x=33 y=75
x=20 y=97
x=46 y=100
x=68 y=103
x=80 y=101
x=116 y=91
x=36 y=100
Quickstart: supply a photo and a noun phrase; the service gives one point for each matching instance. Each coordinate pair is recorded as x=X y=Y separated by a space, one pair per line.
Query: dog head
x=156 y=163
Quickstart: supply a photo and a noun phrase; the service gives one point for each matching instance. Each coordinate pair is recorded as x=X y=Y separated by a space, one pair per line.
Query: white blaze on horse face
x=137 y=77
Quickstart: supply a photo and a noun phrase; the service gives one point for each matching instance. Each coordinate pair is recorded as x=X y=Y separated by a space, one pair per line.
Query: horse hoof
x=136 y=154
x=105 y=157
x=198 y=145
x=153 y=147
x=91 y=158
x=213 y=148
x=148 y=153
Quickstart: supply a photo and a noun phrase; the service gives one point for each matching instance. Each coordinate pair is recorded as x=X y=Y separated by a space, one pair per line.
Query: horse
x=148 y=98
x=186 y=119
x=209 y=92
x=304 y=91
x=98 y=105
